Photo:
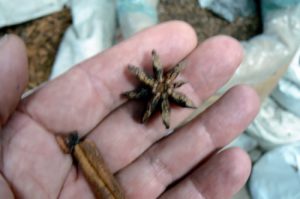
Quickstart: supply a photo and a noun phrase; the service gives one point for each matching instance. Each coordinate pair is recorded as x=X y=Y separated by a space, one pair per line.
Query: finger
x=219 y=178
x=208 y=67
x=23 y=144
x=80 y=99
x=171 y=158
x=13 y=75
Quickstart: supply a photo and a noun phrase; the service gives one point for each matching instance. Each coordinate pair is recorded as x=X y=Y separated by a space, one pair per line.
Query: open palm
x=145 y=158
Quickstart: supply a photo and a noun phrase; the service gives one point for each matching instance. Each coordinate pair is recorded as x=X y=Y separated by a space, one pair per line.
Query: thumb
x=13 y=74
x=13 y=80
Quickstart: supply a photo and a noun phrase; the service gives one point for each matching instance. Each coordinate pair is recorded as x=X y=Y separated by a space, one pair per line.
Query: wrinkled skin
x=88 y=99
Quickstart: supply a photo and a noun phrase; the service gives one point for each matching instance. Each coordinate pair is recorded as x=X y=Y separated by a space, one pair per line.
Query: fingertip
x=14 y=58
x=186 y=31
x=231 y=49
x=226 y=172
x=14 y=43
x=178 y=39
x=13 y=76
x=238 y=166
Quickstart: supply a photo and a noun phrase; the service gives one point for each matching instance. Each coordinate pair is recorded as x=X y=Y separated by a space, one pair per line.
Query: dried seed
x=159 y=89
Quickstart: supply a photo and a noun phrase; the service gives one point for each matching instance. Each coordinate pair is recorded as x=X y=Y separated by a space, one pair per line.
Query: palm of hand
x=143 y=162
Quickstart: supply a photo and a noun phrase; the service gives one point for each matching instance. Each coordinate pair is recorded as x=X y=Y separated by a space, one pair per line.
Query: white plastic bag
x=135 y=15
x=17 y=11
x=92 y=30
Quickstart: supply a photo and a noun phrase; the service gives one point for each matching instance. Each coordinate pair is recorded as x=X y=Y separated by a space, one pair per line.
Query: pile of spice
x=42 y=37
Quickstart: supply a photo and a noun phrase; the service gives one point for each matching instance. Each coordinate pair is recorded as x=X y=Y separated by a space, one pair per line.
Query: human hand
x=144 y=163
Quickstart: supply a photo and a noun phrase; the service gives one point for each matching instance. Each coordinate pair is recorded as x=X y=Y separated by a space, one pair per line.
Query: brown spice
x=159 y=90
x=85 y=152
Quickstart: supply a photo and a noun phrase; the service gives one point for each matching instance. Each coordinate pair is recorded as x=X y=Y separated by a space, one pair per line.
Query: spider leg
x=151 y=107
x=140 y=93
x=182 y=100
x=165 y=111
x=174 y=72
x=179 y=83
x=141 y=75
x=157 y=66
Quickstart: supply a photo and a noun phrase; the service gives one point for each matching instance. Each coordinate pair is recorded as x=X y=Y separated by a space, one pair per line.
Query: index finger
x=81 y=98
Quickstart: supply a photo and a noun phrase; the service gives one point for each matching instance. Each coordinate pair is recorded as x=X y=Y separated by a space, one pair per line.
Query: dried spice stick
x=100 y=179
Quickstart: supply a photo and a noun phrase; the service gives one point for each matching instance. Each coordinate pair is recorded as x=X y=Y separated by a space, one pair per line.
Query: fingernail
x=3 y=39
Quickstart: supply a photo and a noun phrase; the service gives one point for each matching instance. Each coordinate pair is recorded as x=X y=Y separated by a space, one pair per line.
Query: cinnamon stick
x=89 y=159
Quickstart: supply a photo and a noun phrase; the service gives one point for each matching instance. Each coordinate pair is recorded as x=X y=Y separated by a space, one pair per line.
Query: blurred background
x=43 y=35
